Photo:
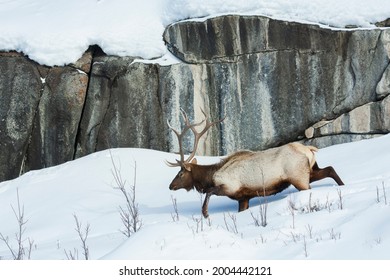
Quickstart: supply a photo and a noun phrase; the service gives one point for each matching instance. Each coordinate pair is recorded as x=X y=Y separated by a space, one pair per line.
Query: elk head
x=184 y=179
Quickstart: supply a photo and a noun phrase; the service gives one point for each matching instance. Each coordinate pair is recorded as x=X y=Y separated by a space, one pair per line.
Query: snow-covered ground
x=348 y=222
x=58 y=32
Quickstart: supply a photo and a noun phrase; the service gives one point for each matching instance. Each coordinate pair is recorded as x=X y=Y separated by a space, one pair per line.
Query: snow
x=59 y=32
x=349 y=222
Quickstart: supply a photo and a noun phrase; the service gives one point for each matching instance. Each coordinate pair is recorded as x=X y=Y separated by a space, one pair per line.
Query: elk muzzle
x=172 y=187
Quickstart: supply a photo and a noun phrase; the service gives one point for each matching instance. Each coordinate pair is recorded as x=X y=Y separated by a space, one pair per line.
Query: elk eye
x=181 y=174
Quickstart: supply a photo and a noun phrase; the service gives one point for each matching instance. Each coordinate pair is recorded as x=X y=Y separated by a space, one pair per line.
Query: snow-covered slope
x=86 y=188
x=58 y=32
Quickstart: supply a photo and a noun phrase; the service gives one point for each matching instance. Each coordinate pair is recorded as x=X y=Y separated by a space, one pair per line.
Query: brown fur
x=200 y=177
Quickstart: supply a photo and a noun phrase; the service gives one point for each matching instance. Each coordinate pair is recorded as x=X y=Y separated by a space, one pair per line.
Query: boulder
x=122 y=108
x=20 y=92
x=369 y=120
x=57 y=118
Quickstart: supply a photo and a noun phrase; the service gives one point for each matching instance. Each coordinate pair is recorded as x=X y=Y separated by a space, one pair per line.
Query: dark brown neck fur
x=202 y=175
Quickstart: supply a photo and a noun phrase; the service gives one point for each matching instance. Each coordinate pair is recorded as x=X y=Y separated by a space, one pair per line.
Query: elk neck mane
x=203 y=174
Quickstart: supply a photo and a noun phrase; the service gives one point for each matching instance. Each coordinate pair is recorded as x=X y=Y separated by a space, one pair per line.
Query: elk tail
x=313 y=149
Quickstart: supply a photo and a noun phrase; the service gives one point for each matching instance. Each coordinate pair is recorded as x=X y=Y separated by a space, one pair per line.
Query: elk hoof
x=205 y=214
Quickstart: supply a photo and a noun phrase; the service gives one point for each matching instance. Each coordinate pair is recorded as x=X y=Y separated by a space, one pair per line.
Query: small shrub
x=129 y=213
x=83 y=235
x=21 y=250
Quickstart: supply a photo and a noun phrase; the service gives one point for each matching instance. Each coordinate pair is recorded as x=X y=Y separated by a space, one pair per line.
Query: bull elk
x=246 y=174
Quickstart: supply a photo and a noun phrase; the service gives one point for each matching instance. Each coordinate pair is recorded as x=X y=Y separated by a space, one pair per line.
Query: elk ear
x=194 y=161
x=187 y=166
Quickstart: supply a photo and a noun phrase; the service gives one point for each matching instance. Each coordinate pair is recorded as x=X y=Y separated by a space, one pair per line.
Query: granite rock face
x=122 y=108
x=369 y=120
x=40 y=112
x=52 y=139
x=20 y=93
x=275 y=78
x=274 y=81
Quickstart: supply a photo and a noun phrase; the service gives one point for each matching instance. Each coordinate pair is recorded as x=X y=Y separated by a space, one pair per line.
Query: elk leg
x=321 y=173
x=243 y=204
x=205 y=206
x=214 y=190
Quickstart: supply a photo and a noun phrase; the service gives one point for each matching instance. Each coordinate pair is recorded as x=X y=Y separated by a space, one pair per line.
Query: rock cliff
x=274 y=81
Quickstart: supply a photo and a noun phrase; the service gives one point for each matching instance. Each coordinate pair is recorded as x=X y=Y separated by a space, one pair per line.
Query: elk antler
x=180 y=137
x=197 y=135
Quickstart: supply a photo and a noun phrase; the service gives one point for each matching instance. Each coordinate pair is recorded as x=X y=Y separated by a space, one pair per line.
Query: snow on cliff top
x=58 y=32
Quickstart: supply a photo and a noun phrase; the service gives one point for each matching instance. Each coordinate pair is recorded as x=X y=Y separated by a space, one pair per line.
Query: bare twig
x=263 y=240
x=384 y=192
x=312 y=207
x=175 y=215
x=341 y=199
x=263 y=206
x=129 y=214
x=255 y=219
x=334 y=235
x=295 y=236
x=377 y=195
x=233 y=226
x=72 y=255
x=263 y=210
x=328 y=204
x=20 y=252
x=262 y=221
x=292 y=208
x=83 y=236
x=305 y=247
x=309 y=229
x=5 y=239
x=198 y=223
x=30 y=247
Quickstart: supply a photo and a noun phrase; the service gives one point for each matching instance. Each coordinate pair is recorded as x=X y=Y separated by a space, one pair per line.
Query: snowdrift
x=326 y=222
